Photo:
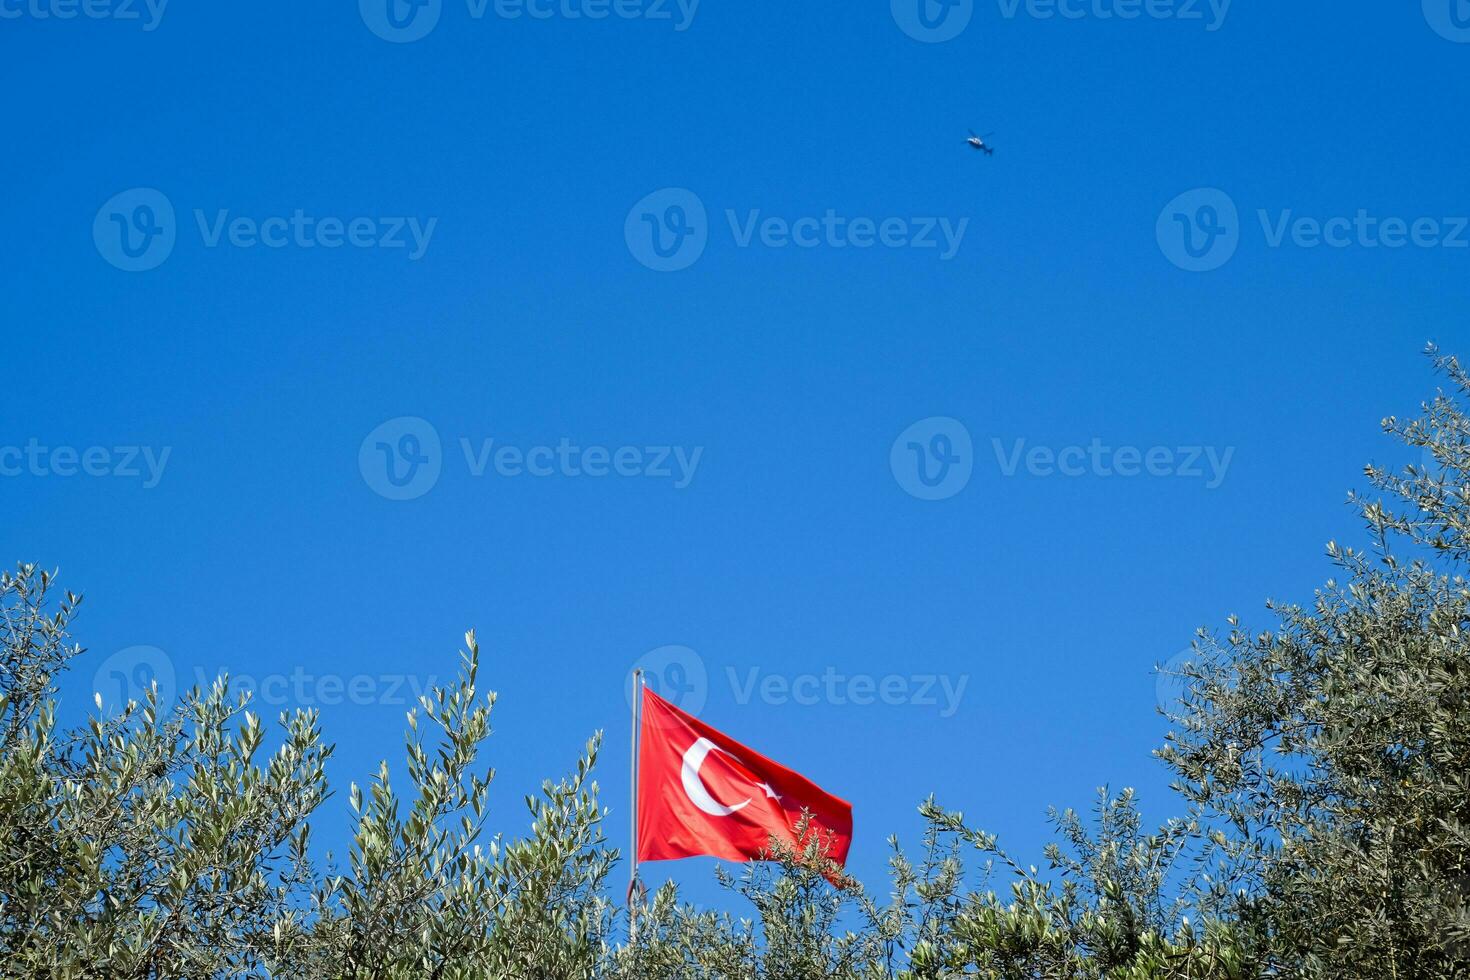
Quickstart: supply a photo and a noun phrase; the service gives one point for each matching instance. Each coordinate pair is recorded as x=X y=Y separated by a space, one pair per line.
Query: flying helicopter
x=978 y=142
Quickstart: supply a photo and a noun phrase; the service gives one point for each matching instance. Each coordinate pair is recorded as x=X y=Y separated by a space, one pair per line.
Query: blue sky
x=1137 y=434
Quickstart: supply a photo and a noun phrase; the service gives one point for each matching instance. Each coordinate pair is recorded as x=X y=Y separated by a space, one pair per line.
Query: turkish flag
x=702 y=792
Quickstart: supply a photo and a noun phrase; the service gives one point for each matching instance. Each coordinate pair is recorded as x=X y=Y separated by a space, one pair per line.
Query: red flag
x=702 y=792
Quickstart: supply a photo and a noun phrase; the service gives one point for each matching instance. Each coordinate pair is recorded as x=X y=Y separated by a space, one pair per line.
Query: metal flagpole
x=633 y=821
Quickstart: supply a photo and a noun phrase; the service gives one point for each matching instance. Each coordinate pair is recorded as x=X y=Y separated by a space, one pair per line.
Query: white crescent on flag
x=694 y=787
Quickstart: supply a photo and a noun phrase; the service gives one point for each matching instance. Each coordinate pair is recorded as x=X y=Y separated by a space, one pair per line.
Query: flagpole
x=633 y=821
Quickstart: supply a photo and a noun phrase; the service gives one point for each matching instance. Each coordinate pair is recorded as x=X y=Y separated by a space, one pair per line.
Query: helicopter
x=978 y=142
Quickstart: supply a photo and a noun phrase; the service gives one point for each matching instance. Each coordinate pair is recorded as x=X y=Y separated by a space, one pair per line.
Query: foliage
x=1334 y=751
x=1324 y=764
x=156 y=844
x=153 y=843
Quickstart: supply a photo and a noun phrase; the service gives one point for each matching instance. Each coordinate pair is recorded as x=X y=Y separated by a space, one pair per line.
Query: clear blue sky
x=532 y=316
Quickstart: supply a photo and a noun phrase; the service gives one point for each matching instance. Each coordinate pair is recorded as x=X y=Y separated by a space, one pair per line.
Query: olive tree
x=1331 y=752
x=153 y=843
